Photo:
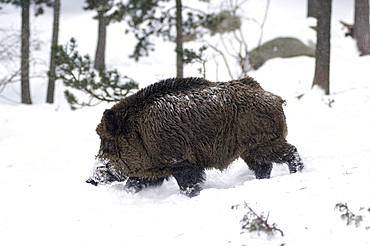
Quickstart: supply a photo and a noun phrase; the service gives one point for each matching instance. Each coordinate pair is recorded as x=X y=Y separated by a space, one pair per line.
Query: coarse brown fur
x=192 y=122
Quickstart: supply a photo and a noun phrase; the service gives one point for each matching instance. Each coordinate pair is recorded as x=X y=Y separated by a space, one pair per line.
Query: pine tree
x=312 y=8
x=54 y=44
x=107 y=12
x=361 y=30
x=148 y=18
x=78 y=75
x=179 y=41
x=322 y=65
x=25 y=53
x=25 y=40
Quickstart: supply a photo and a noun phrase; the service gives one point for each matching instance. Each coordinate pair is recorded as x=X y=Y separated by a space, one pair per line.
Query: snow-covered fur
x=180 y=127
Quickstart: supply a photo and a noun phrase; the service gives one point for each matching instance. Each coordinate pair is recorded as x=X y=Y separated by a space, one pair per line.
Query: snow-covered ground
x=48 y=151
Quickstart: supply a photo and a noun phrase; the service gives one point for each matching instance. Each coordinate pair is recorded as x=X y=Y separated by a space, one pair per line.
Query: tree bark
x=99 y=62
x=179 y=41
x=312 y=8
x=54 y=44
x=361 y=27
x=25 y=53
x=322 y=66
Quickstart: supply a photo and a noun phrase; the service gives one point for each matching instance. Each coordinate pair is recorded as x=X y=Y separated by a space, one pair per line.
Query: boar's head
x=109 y=131
x=121 y=148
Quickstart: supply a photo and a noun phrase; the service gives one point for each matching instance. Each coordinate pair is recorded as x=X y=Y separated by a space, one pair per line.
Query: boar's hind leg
x=136 y=184
x=260 y=166
x=289 y=154
x=189 y=178
x=260 y=159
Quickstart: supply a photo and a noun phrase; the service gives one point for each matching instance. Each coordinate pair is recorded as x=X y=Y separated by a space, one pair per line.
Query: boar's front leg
x=136 y=184
x=189 y=178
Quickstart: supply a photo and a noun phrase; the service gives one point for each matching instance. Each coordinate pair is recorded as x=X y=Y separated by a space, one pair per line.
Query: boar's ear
x=111 y=122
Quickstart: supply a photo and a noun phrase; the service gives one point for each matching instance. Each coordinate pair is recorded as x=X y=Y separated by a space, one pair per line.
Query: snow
x=47 y=152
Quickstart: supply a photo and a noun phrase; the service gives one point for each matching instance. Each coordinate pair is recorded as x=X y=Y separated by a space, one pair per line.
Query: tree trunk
x=322 y=66
x=312 y=8
x=361 y=27
x=99 y=62
x=25 y=53
x=179 y=41
x=54 y=44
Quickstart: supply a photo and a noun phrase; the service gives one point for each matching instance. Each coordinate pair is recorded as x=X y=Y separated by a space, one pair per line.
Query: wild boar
x=181 y=127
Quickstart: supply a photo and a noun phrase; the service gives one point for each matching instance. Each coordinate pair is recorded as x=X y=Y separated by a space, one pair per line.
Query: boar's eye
x=111 y=123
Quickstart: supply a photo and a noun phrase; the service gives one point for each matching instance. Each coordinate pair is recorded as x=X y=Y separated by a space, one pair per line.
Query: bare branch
x=224 y=59
x=226 y=47
x=264 y=21
x=253 y=222
x=12 y=78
